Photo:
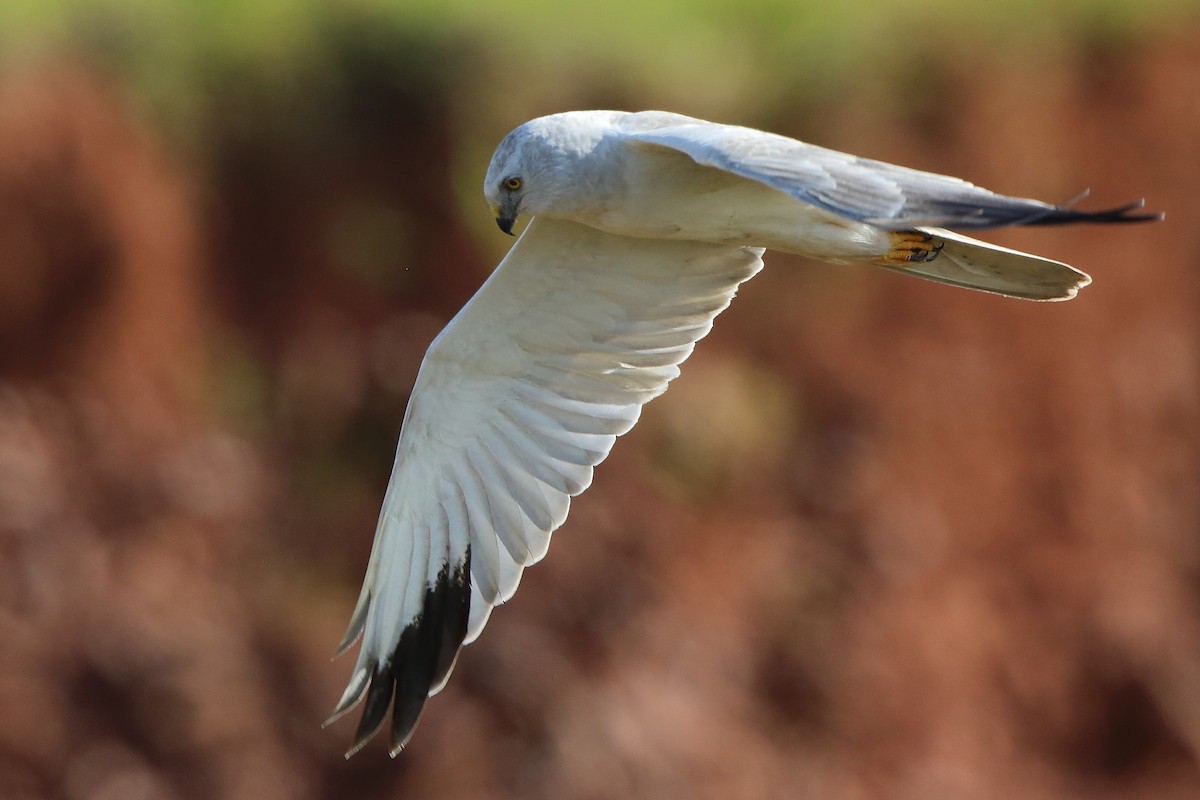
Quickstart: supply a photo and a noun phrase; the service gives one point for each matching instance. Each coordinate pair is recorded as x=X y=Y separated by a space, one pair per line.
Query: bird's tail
x=973 y=264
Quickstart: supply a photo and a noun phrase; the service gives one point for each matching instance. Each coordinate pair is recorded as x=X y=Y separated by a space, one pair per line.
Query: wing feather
x=559 y=476
x=861 y=189
x=485 y=547
x=518 y=399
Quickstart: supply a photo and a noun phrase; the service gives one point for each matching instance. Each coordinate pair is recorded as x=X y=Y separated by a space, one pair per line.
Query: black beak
x=505 y=223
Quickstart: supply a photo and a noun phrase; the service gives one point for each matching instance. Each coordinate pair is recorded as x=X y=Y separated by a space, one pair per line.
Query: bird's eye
x=512 y=184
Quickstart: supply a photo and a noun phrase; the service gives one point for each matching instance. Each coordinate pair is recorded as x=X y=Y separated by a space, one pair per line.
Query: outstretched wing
x=861 y=189
x=517 y=399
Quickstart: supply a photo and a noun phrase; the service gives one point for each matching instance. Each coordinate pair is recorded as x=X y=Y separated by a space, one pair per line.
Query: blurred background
x=883 y=538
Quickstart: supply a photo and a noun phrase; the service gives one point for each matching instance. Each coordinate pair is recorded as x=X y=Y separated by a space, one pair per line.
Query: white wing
x=861 y=189
x=517 y=399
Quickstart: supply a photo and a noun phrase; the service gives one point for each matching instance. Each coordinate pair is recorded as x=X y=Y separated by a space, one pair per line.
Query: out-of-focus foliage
x=706 y=55
x=882 y=539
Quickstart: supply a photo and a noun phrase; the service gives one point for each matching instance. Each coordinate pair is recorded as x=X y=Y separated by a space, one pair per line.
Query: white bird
x=644 y=224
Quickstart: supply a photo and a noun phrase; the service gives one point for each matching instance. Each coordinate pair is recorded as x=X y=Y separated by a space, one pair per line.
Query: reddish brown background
x=883 y=539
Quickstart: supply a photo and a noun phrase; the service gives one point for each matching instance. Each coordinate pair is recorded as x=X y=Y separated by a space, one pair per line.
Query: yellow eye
x=512 y=184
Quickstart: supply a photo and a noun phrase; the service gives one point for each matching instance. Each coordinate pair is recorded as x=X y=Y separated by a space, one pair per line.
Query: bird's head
x=538 y=168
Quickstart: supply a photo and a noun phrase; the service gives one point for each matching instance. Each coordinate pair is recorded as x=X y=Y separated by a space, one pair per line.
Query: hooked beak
x=506 y=216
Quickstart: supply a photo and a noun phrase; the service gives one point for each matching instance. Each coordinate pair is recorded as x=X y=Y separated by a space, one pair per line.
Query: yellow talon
x=909 y=247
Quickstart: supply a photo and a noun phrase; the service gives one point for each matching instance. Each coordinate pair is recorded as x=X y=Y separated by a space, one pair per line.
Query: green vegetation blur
x=520 y=57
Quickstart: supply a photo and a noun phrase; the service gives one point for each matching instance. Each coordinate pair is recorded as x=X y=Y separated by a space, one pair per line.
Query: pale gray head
x=537 y=166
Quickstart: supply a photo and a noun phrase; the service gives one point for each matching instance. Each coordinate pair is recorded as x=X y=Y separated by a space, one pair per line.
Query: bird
x=642 y=226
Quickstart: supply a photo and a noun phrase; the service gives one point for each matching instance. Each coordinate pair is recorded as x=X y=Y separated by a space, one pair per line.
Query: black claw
x=925 y=256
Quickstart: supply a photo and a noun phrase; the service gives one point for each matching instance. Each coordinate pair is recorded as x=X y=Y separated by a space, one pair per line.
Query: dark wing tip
x=379 y=696
x=429 y=655
x=969 y=212
x=423 y=658
x=456 y=616
x=1061 y=215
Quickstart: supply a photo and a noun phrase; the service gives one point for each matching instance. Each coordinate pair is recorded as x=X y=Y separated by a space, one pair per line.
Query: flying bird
x=643 y=227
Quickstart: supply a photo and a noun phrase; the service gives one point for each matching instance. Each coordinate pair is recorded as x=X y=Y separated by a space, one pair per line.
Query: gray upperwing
x=861 y=189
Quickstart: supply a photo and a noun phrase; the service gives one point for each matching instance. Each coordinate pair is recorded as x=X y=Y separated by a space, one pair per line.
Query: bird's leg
x=909 y=247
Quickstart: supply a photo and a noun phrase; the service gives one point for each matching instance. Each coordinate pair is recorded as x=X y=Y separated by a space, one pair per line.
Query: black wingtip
x=416 y=654
x=1002 y=212
x=379 y=697
x=423 y=658
x=1062 y=215
x=457 y=614
x=429 y=655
